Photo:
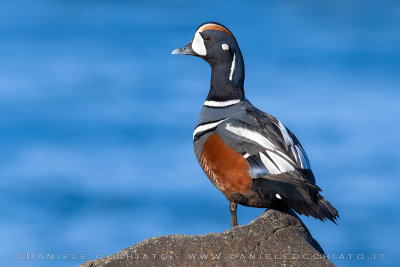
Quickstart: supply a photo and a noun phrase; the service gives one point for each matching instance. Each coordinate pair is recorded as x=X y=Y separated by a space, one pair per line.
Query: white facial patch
x=225 y=47
x=198 y=44
x=278 y=196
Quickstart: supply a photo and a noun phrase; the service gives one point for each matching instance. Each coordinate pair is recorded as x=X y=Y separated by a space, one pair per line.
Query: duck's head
x=216 y=44
x=209 y=42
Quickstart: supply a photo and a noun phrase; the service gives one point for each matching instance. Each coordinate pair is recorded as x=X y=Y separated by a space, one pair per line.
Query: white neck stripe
x=221 y=104
x=232 y=67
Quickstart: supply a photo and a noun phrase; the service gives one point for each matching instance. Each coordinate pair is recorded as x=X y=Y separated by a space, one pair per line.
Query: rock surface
x=273 y=239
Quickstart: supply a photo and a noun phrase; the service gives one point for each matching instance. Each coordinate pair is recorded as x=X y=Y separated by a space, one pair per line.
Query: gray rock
x=273 y=239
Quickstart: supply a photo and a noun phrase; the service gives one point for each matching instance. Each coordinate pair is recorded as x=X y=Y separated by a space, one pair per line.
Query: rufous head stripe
x=215 y=27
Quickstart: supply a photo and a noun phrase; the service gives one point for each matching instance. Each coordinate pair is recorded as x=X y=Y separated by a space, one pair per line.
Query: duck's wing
x=268 y=146
x=277 y=162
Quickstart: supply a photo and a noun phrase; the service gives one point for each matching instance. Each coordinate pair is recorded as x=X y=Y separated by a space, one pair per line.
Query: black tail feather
x=320 y=209
x=327 y=209
x=303 y=199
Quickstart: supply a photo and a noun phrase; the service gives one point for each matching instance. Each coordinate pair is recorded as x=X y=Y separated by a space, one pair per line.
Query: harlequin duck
x=249 y=155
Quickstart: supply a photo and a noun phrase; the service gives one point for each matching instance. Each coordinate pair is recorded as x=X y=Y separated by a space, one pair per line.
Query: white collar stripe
x=221 y=104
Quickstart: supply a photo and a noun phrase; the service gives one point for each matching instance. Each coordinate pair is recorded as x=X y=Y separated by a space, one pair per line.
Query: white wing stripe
x=284 y=156
x=283 y=165
x=251 y=135
x=294 y=153
x=302 y=156
x=285 y=134
x=269 y=165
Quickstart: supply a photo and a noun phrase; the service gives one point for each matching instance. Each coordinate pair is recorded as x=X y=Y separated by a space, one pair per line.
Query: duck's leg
x=233 y=208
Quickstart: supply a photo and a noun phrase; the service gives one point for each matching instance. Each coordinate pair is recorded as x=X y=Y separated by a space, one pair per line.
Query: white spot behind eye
x=278 y=196
x=225 y=47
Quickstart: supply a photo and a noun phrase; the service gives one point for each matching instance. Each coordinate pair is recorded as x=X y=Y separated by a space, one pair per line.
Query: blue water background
x=96 y=120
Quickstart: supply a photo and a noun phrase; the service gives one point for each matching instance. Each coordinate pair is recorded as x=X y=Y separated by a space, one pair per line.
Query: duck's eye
x=206 y=37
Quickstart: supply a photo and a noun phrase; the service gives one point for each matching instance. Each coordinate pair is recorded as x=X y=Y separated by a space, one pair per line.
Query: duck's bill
x=186 y=50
